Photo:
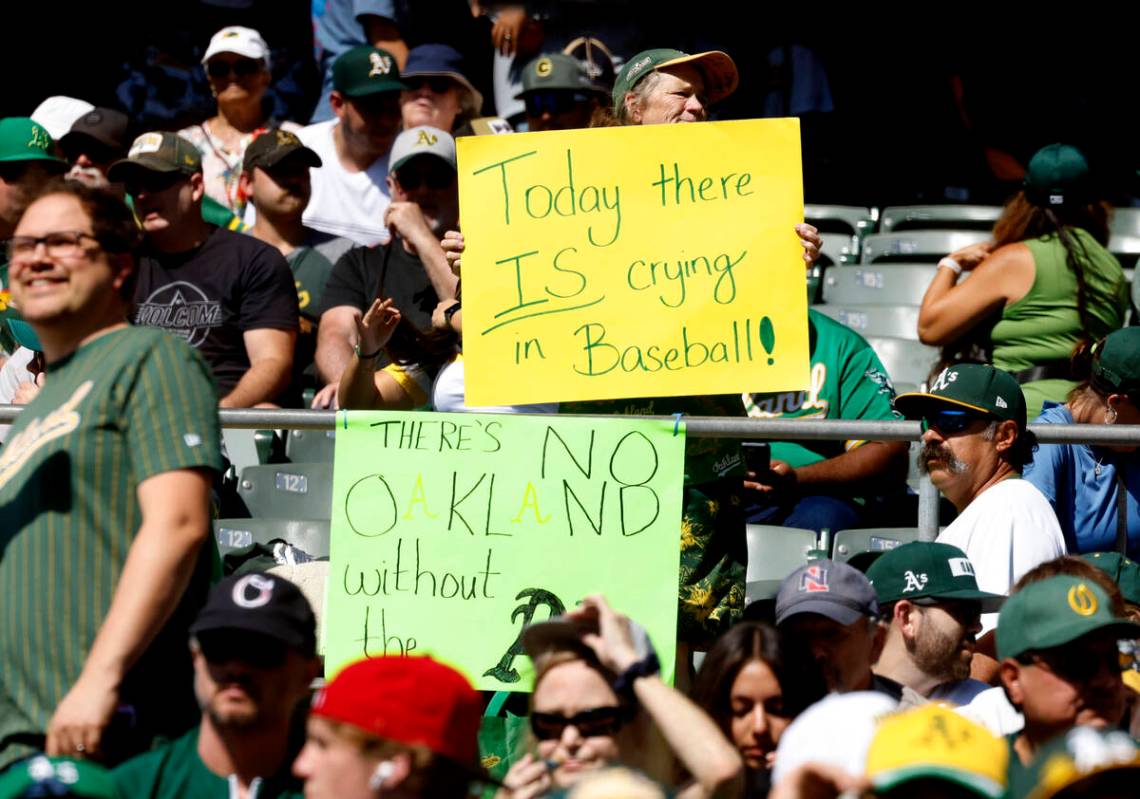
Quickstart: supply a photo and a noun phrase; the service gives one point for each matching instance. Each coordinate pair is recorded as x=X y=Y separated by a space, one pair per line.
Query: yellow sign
x=633 y=262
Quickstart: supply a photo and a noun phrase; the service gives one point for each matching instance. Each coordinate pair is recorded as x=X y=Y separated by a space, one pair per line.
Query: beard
x=940 y=453
x=940 y=655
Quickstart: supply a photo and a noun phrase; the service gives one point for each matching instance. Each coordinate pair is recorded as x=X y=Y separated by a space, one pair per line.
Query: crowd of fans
x=151 y=277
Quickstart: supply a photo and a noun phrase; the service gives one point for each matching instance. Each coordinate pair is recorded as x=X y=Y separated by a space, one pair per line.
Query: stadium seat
x=312 y=536
x=1125 y=248
x=838 y=249
x=850 y=219
x=310 y=446
x=849 y=543
x=907 y=361
x=773 y=553
x=1125 y=222
x=891 y=321
x=938 y=217
x=885 y=284
x=919 y=246
x=287 y=490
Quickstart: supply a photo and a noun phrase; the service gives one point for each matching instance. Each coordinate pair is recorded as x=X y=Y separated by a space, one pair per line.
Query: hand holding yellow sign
x=633 y=262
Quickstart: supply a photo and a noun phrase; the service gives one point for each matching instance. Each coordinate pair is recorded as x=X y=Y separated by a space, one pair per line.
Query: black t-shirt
x=211 y=295
x=364 y=273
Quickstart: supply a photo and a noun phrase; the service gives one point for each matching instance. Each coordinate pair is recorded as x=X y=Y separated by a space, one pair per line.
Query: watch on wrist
x=450 y=311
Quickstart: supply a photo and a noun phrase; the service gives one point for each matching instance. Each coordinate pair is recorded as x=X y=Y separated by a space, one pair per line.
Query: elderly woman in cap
x=598 y=701
x=392 y=726
x=1043 y=284
x=438 y=93
x=1094 y=489
x=237 y=67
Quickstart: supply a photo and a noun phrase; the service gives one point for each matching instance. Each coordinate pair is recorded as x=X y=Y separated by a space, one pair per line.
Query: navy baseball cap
x=840 y=592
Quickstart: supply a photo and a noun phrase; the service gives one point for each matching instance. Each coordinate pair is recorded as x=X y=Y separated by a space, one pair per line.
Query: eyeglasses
x=553 y=102
x=62 y=244
x=597 y=721
x=152 y=182
x=437 y=83
x=241 y=68
x=436 y=175
x=949 y=422
x=257 y=650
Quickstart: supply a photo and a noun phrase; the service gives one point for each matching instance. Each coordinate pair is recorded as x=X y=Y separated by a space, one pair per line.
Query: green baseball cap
x=718 y=69
x=24 y=139
x=928 y=569
x=557 y=72
x=1116 y=362
x=975 y=386
x=1058 y=174
x=57 y=776
x=157 y=152
x=1095 y=760
x=366 y=70
x=1123 y=571
x=1054 y=612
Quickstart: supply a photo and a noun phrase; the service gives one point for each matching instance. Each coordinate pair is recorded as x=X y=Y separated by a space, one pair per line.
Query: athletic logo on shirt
x=814 y=580
x=1082 y=600
x=914 y=582
x=182 y=309
x=767 y=406
x=263 y=586
x=21 y=447
x=381 y=64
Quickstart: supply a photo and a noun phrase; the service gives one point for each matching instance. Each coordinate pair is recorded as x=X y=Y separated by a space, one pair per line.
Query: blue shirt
x=1080 y=483
x=337 y=23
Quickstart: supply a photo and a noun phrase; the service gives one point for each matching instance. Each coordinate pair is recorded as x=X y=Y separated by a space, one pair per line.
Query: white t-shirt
x=991 y=709
x=349 y=204
x=448 y=395
x=1007 y=530
x=12 y=374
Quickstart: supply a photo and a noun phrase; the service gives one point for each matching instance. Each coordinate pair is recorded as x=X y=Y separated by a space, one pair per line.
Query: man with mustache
x=975 y=445
x=254 y=649
x=929 y=597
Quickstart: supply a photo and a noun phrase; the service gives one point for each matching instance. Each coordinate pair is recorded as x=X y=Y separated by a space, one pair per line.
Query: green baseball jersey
x=131 y=404
x=175 y=771
x=847 y=382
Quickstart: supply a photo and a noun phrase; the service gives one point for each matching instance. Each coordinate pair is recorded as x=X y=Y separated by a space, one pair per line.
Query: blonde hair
x=430 y=774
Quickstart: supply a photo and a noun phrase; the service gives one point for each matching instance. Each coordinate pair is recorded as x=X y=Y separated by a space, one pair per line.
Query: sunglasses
x=437 y=83
x=553 y=103
x=241 y=68
x=434 y=176
x=598 y=721
x=949 y=422
x=259 y=651
x=153 y=182
x=13 y=172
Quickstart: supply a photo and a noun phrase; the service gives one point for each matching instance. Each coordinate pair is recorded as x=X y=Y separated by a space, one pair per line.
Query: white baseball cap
x=421 y=140
x=236 y=39
x=58 y=113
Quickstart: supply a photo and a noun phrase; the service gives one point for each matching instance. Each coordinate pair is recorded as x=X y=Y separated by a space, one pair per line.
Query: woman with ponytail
x=1045 y=283
x=1095 y=489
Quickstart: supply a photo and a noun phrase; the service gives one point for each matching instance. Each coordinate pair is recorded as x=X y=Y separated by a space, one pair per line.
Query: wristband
x=450 y=311
x=951 y=264
x=366 y=356
x=646 y=667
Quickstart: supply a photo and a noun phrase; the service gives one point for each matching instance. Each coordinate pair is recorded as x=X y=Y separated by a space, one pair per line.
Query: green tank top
x=1045 y=324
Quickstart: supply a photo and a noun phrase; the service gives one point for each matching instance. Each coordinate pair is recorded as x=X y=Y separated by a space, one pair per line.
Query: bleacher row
x=875 y=268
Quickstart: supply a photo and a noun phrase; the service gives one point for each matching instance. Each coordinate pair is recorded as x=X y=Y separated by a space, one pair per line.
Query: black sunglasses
x=949 y=422
x=553 y=102
x=589 y=723
x=437 y=83
x=242 y=68
x=153 y=182
x=257 y=650
x=13 y=172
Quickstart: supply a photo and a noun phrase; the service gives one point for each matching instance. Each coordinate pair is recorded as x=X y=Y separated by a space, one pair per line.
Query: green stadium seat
x=919 y=246
x=1125 y=222
x=312 y=536
x=773 y=553
x=310 y=446
x=890 y=321
x=849 y=543
x=881 y=284
x=287 y=490
x=938 y=217
x=908 y=362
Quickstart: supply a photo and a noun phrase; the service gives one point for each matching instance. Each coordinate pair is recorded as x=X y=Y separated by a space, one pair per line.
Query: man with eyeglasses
x=558 y=93
x=350 y=191
x=229 y=296
x=254 y=650
x=1060 y=665
x=411 y=269
x=930 y=599
x=974 y=445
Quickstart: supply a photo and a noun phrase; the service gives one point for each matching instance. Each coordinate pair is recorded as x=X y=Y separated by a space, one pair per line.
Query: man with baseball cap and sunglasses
x=96 y=140
x=411 y=269
x=254 y=649
x=975 y=445
x=930 y=599
x=558 y=93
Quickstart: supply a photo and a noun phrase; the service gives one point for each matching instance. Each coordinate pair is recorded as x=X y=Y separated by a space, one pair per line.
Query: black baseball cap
x=260 y=603
x=274 y=146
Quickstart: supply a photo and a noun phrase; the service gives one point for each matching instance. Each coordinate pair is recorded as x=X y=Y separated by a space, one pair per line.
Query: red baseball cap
x=412 y=700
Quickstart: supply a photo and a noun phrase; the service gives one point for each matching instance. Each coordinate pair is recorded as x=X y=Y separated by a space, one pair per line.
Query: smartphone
x=757 y=456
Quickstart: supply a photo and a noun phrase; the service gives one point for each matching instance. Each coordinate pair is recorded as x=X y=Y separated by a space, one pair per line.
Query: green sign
x=451 y=532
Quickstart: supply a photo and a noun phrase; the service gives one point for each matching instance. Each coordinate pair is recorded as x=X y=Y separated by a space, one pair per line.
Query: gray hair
x=640 y=91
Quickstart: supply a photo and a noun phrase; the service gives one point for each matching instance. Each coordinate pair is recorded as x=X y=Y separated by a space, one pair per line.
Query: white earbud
x=384 y=770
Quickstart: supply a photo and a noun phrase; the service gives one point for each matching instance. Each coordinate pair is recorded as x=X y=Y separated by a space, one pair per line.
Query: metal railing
x=735 y=427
